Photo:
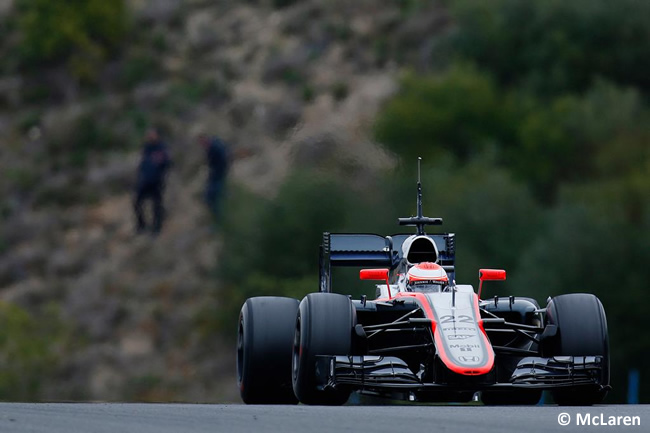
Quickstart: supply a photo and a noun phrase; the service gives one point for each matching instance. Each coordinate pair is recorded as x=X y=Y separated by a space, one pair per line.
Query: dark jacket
x=218 y=159
x=153 y=165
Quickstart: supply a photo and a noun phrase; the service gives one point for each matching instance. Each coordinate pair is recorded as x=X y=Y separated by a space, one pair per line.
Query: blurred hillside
x=121 y=317
x=532 y=120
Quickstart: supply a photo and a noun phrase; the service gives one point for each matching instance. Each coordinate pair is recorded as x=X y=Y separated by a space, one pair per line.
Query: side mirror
x=489 y=275
x=376 y=274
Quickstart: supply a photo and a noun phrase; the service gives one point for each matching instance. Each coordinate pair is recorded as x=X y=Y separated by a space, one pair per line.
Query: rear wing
x=375 y=251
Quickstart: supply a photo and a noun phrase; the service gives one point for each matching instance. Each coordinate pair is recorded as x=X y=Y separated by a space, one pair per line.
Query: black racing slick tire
x=265 y=336
x=581 y=331
x=323 y=327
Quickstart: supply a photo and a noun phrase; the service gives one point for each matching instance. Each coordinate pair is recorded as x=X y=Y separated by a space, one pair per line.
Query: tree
x=80 y=35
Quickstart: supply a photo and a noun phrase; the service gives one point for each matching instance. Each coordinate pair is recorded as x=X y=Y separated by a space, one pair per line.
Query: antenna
x=419 y=199
x=420 y=220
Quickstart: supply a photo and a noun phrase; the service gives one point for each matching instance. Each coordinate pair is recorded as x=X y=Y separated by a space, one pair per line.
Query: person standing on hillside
x=218 y=159
x=150 y=184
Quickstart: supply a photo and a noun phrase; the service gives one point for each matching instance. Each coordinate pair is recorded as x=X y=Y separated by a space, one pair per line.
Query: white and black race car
x=424 y=338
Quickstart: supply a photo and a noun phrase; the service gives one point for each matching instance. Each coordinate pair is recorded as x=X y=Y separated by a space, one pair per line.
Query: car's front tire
x=265 y=335
x=581 y=331
x=323 y=327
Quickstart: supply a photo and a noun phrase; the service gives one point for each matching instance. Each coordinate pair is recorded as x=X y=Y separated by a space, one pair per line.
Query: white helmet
x=426 y=277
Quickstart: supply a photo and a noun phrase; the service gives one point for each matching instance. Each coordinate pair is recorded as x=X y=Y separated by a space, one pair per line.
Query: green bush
x=81 y=34
x=29 y=120
x=308 y=92
x=569 y=138
x=139 y=66
x=89 y=136
x=340 y=91
x=27 y=355
x=556 y=46
x=184 y=94
x=574 y=139
x=459 y=112
x=21 y=179
x=281 y=236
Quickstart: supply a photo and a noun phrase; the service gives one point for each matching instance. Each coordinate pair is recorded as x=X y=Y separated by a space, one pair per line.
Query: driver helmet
x=426 y=277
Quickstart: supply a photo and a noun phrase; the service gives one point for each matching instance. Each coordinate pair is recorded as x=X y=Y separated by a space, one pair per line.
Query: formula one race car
x=425 y=338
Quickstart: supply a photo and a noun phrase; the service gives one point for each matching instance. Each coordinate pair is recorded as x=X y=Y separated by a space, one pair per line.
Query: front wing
x=377 y=374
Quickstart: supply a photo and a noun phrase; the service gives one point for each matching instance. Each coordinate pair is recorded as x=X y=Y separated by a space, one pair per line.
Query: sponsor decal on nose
x=469 y=359
x=458 y=337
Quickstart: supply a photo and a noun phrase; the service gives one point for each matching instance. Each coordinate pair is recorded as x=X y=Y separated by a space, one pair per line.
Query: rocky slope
x=296 y=85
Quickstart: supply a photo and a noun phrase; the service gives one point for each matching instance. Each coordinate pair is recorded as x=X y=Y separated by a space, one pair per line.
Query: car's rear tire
x=265 y=335
x=323 y=327
x=581 y=331
x=519 y=397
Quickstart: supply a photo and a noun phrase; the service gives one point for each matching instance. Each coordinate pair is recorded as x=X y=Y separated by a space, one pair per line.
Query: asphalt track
x=189 y=418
